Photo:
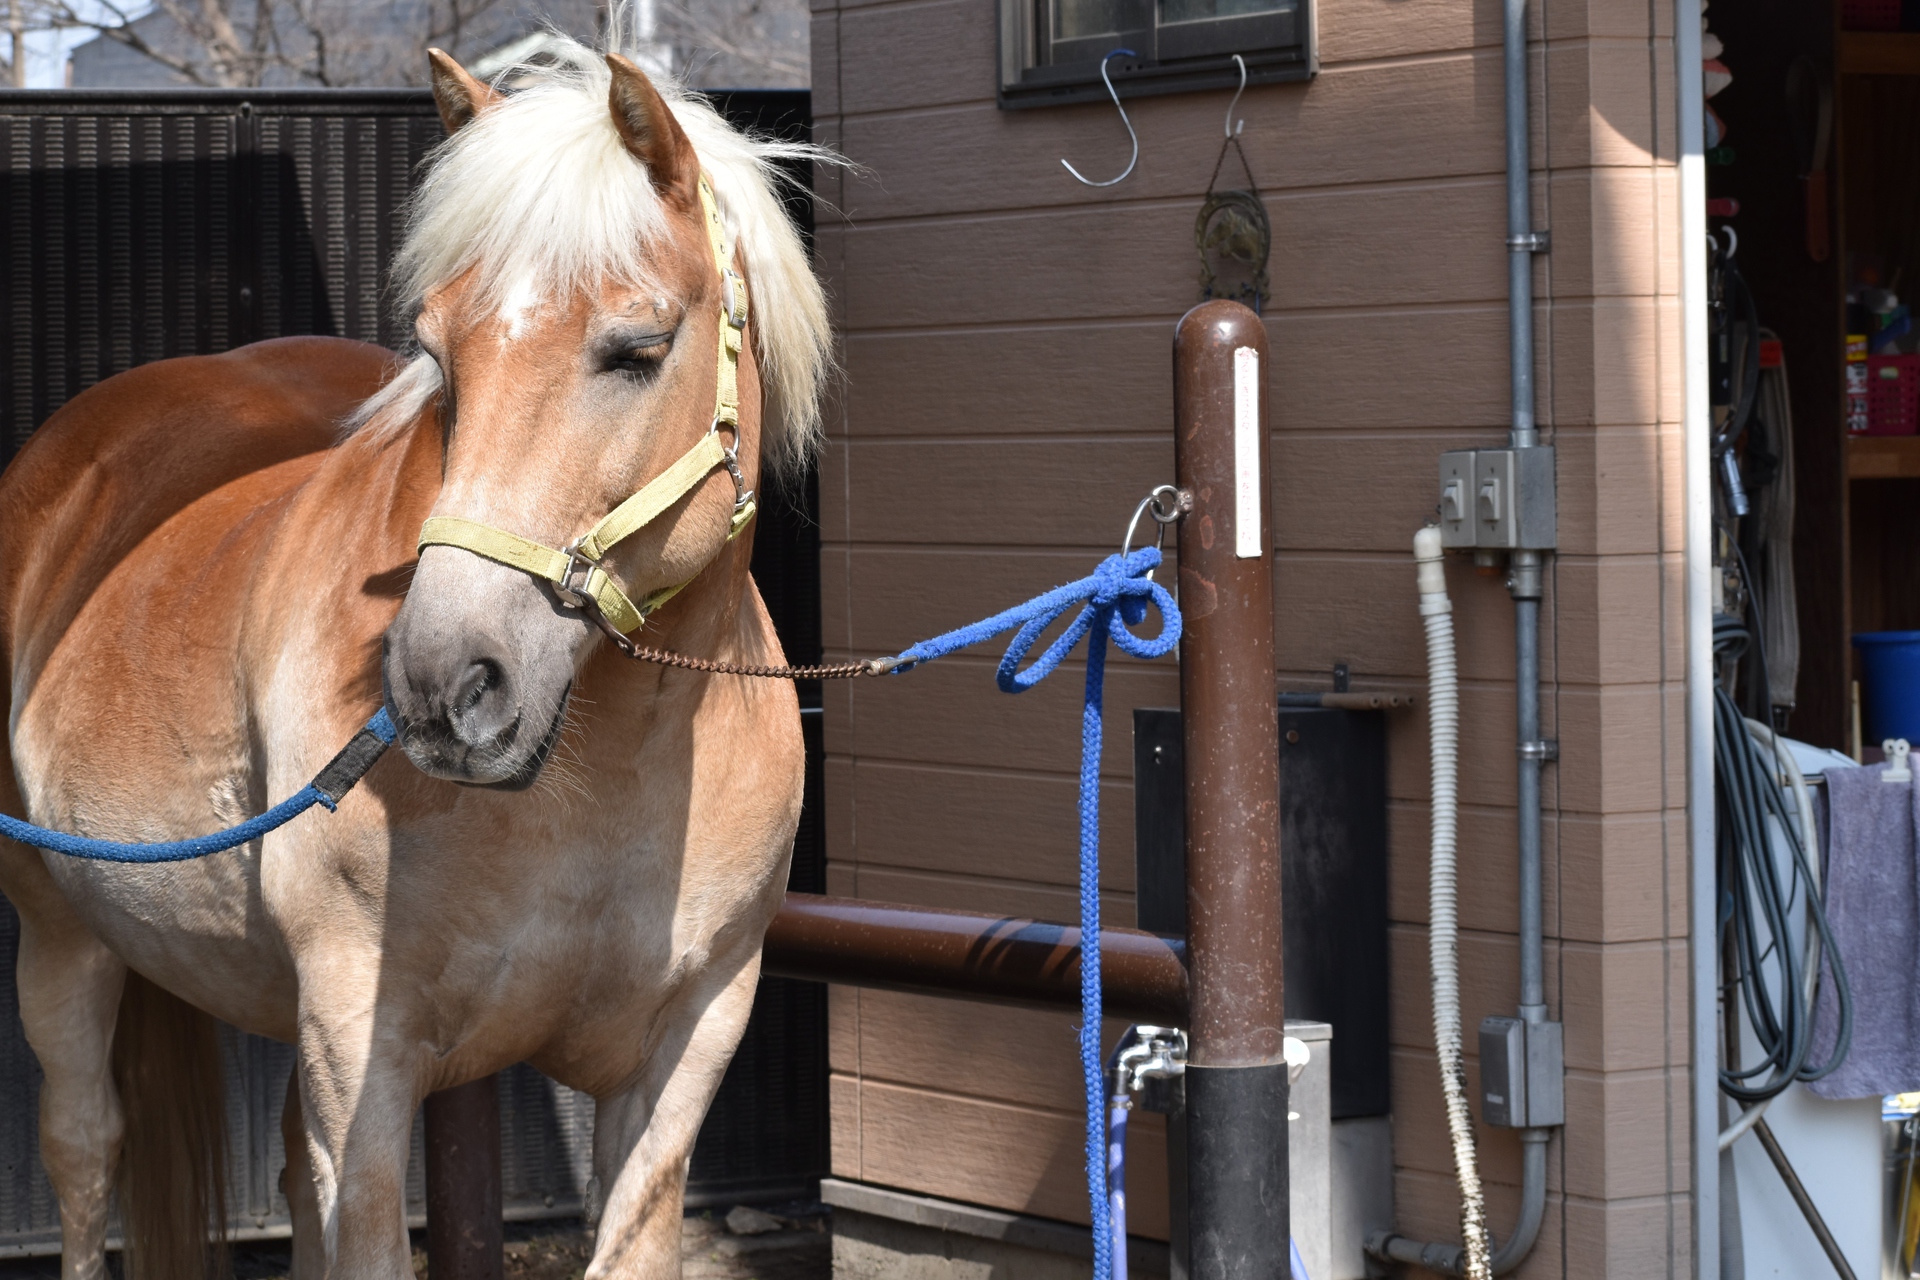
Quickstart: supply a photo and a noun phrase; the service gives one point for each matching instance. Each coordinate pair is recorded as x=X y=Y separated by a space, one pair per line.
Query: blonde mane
x=541 y=196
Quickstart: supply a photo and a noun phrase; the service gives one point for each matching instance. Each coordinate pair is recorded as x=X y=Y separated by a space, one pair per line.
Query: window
x=1050 y=50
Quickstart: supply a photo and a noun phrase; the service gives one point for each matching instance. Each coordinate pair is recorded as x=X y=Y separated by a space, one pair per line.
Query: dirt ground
x=784 y=1242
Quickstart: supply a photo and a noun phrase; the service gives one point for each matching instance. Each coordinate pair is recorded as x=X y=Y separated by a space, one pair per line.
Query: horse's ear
x=652 y=134
x=458 y=95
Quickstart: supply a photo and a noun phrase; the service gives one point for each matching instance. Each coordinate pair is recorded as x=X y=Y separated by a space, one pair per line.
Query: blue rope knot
x=1112 y=600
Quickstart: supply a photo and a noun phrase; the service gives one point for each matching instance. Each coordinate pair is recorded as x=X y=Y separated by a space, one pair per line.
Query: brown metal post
x=1236 y=1080
x=463 y=1182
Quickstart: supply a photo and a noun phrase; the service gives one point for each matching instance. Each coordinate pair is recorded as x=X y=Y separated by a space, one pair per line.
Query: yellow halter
x=576 y=570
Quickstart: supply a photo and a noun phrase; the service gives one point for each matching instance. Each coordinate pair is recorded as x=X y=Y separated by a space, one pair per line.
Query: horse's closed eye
x=640 y=358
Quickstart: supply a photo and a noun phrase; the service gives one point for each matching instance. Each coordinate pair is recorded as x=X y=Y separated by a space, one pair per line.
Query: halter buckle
x=572 y=586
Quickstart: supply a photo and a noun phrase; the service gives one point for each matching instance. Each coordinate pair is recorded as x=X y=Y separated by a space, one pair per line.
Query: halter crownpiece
x=576 y=570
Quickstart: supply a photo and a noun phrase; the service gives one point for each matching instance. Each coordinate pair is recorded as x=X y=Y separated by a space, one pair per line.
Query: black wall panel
x=1333 y=876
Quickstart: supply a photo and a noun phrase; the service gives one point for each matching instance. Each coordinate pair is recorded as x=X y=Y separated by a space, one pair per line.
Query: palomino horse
x=205 y=588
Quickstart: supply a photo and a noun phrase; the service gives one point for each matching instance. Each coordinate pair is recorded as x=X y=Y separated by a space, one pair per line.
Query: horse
x=212 y=572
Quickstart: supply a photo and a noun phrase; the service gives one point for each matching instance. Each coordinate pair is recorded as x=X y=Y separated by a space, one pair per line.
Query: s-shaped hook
x=1114 y=94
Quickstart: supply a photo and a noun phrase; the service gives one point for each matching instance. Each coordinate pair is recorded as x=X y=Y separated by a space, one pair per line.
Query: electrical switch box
x=1503 y=1072
x=1498 y=499
x=1522 y=1069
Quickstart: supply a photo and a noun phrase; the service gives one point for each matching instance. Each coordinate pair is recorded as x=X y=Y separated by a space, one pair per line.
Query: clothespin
x=1896 y=750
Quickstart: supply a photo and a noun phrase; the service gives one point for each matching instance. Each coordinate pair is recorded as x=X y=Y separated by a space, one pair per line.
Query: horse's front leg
x=643 y=1135
x=357 y=1095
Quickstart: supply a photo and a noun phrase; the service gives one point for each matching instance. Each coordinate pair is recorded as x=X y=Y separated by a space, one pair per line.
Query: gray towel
x=1873 y=906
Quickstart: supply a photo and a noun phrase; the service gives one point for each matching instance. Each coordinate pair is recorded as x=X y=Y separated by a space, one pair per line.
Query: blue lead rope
x=1111 y=600
x=327 y=787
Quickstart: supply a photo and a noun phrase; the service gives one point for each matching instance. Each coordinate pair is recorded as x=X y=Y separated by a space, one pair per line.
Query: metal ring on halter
x=1167 y=505
x=731 y=461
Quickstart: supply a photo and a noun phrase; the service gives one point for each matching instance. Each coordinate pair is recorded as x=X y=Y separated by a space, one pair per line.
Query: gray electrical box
x=1498 y=499
x=1522 y=1070
x=1546 y=1075
x=1503 y=1072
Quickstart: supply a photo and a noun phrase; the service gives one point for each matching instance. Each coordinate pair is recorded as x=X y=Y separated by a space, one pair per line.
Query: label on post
x=1246 y=453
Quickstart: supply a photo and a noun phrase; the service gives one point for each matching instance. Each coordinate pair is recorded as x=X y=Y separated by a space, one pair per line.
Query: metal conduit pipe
x=1526 y=583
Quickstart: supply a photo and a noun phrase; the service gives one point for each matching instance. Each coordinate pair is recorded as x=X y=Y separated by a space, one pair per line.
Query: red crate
x=1870 y=15
x=1893 y=395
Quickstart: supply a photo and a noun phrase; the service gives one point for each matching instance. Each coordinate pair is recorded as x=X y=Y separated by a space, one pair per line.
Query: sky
x=47 y=50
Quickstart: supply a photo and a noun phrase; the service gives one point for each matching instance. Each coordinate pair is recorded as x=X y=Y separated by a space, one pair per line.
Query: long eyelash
x=641 y=360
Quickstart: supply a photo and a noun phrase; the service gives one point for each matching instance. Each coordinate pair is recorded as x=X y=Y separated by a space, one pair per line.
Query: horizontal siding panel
x=1338 y=248
x=1003 y=826
x=1489 y=983
x=1610 y=997
x=1006 y=1157
x=1611 y=356
x=1599 y=219
x=1027 y=1057
x=1363 y=610
x=1601 y=111
x=1088 y=378
x=951 y=713
x=1378 y=124
x=1076 y=493
x=1609 y=490
x=1620 y=871
x=1438 y=368
x=918 y=54
x=1610 y=615
x=1358 y=490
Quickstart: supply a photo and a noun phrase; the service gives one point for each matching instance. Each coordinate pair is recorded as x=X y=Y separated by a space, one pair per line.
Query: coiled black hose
x=1756 y=904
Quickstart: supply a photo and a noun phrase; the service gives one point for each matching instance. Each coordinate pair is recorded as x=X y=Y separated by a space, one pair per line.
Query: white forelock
x=539 y=193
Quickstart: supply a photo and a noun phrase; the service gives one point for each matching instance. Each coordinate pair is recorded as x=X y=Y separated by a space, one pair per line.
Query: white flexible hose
x=1443 y=925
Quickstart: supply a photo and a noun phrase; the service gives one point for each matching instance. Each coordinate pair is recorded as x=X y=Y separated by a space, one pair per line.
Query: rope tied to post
x=1113 y=599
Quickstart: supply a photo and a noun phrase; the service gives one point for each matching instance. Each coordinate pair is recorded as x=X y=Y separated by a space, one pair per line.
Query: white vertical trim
x=1696 y=427
x=1246 y=454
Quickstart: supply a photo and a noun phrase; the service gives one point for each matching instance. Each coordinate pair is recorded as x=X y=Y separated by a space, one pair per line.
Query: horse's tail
x=173 y=1159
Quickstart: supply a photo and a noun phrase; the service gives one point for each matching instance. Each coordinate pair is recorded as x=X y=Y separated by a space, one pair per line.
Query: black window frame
x=1176 y=57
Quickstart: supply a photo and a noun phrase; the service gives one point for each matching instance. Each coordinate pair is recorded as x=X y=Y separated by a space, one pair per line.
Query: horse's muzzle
x=475 y=734
x=478 y=674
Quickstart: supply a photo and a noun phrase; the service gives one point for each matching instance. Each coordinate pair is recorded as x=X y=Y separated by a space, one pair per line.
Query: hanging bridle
x=577 y=571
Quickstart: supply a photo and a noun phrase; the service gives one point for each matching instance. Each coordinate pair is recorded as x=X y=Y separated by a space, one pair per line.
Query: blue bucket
x=1889 y=685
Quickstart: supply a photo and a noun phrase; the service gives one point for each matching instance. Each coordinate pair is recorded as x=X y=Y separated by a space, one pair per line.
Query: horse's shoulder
x=125 y=456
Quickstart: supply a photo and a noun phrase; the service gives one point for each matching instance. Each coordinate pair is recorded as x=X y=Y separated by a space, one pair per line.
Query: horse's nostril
x=481 y=678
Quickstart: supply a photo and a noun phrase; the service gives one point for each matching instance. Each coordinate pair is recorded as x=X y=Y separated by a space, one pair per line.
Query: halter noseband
x=575 y=570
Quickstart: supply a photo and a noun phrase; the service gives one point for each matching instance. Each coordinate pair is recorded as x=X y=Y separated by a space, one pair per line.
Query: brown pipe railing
x=973 y=955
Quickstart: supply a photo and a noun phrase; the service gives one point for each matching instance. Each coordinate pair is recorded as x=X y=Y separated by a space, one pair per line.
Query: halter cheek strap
x=576 y=570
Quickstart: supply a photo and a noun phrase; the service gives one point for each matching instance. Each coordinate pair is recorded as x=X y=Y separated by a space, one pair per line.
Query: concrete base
x=883 y=1234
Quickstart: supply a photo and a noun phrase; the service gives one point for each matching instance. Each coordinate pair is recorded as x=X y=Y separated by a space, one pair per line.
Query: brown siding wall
x=1007 y=401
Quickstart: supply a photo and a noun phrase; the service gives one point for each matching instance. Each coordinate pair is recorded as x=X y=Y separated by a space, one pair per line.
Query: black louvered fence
x=144 y=225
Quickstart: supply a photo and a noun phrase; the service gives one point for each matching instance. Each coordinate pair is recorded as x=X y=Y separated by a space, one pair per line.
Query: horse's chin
x=431 y=757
